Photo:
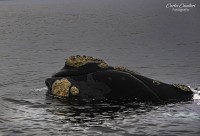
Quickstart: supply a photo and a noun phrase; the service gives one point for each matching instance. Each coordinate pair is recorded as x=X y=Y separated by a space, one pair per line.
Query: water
x=37 y=35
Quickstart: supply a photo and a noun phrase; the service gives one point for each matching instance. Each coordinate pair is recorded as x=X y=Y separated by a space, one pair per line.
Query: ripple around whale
x=95 y=79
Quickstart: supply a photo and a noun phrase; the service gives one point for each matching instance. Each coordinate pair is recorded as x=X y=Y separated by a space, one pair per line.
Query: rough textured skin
x=182 y=87
x=86 y=77
x=74 y=90
x=61 y=88
x=78 y=61
x=124 y=69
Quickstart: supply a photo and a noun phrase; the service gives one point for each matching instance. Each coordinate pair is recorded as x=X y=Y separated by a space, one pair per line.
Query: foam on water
x=196 y=95
x=41 y=89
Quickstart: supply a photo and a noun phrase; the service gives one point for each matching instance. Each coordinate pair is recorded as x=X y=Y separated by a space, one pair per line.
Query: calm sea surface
x=36 y=36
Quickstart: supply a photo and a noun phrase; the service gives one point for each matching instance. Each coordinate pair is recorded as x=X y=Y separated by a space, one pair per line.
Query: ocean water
x=36 y=36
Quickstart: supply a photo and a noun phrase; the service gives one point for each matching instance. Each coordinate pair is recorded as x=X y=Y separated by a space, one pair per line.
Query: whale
x=86 y=77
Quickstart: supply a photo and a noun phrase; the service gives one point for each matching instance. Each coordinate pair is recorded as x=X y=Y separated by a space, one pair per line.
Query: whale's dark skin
x=106 y=82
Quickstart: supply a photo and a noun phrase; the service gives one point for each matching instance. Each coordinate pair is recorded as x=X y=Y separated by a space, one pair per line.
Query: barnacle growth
x=124 y=69
x=61 y=87
x=74 y=90
x=182 y=87
x=77 y=61
x=103 y=65
x=156 y=82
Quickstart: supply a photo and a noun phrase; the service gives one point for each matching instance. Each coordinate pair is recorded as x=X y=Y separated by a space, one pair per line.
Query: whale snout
x=61 y=87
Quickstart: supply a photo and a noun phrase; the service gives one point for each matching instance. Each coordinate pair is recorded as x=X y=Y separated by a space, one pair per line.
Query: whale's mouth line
x=49 y=88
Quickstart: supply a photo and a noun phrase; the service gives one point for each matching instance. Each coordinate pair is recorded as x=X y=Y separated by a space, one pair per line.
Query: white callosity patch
x=156 y=82
x=124 y=69
x=77 y=61
x=74 y=90
x=103 y=65
x=182 y=87
x=61 y=87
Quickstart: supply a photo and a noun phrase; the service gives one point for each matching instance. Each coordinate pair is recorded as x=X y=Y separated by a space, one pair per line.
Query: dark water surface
x=37 y=35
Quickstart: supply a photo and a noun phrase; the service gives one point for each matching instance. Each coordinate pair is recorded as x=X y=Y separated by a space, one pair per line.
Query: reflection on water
x=53 y=116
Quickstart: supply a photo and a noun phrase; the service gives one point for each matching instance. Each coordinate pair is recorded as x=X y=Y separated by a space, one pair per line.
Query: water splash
x=40 y=89
x=196 y=91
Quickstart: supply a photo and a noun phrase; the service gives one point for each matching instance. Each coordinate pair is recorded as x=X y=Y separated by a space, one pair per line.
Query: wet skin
x=95 y=80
